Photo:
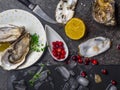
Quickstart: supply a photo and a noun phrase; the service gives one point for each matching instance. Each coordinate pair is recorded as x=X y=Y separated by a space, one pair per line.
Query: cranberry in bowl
x=56 y=45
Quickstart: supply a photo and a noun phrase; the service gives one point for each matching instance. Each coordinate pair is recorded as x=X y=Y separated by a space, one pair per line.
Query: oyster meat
x=94 y=46
x=10 y=33
x=15 y=54
x=104 y=12
x=65 y=10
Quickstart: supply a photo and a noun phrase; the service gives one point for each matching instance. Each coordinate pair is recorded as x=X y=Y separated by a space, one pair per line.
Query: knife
x=38 y=11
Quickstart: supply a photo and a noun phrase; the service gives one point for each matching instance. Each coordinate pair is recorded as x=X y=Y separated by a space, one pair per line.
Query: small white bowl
x=53 y=36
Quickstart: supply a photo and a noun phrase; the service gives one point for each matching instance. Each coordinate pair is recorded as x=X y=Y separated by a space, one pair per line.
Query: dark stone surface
x=83 y=11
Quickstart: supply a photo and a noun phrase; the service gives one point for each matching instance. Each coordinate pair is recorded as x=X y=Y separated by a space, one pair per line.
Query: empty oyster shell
x=10 y=33
x=104 y=12
x=65 y=10
x=15 y=55
x=94 y=46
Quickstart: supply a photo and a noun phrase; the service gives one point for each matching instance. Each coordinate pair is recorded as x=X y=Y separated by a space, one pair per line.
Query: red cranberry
x=78 y=57
x=113 y=82
x=67 y=61
x=63 y=52
x=62 y=56
x=59 y=50
x=74 y=57
x=94 y=62
x=53 y=43
x=87 y=61
x=83 y=74
x=58 y=57
x=118 y=47
x=60 y=43
x=80 y=61
x=56 y=46
x=104 y=71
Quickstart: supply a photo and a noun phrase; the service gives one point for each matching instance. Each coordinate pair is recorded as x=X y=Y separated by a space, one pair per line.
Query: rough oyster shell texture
x=10 y=33
x=94 y=46
x=104 y=12
x=65 y=10
x=16 y=53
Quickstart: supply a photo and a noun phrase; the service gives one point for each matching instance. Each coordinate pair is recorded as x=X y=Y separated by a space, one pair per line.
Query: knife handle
x=25 y=2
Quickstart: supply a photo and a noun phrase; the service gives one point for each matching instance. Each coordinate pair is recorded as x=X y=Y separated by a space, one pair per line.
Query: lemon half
x=75 y=28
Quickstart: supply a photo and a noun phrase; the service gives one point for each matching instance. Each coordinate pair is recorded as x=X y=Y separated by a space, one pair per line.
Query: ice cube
x=83 y=88
x=66 y=86
x=111 y=87
x=37 y=85
x=73 y=83
x=43 y=75
x=83 y=81
x=72 y=73
x=72 y=64
x=19 y=85
x=64 y=72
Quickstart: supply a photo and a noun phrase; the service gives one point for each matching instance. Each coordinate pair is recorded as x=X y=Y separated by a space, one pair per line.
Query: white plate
x=32 y=24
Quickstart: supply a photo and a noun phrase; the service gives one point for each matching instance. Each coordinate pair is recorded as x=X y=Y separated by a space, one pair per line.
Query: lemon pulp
x=4 y=46
x=75 y=29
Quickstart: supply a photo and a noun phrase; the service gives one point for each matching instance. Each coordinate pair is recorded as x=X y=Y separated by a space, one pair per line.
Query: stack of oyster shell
x=15 y=54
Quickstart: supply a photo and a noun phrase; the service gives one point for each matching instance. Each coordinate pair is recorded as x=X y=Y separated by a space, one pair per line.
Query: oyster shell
x=10 y=33
x=65 y=10
x=15 y=55
x=104 y=12
x=94 y=46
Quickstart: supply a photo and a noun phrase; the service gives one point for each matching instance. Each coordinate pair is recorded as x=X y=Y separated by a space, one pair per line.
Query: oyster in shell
x=94 y=46
x=65 y=10
x=15 y=55
x=10 y=33
x=104 y=12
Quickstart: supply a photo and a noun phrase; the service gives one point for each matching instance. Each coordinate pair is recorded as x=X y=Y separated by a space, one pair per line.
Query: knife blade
x=37 y=10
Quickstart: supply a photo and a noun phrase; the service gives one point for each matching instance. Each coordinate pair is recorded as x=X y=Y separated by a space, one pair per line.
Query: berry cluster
x=86 y=61
x=58 y=50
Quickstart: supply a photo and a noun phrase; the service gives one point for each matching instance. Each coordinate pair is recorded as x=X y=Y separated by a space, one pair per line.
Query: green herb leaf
x=34 y=45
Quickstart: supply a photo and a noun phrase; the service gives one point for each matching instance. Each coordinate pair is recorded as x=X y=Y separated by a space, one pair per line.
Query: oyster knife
x=38 y=11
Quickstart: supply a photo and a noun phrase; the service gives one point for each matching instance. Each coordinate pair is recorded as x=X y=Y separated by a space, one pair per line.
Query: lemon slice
x=75 y=29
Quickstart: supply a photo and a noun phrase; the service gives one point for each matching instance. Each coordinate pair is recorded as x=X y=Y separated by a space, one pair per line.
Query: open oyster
x=94 y=46
x=10 y=33
x=65 y=10
x=15 y=55
x=104 y=12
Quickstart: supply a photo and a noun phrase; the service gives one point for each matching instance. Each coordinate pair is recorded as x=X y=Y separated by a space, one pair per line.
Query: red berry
x=67 y=61
x=56 y=46
x=80 y=61
x=94 y=62
x=83 y=74
x=87 y=61
x=53 y=43
x=58 y=57
x=78 y=56
x=118 y=47
x=104 y=71
x=62 y=56
x=113 y=82
x=74 y=58
x=63 y=52
x=59 y=50
x=60 y=43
